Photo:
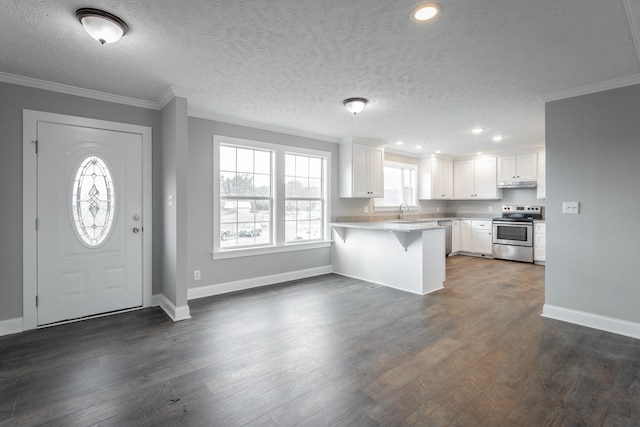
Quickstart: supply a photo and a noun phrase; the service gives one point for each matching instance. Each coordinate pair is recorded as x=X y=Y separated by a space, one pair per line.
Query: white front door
x=89 y=238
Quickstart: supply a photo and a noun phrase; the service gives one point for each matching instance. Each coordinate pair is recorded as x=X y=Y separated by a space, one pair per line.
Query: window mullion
x=279 y=197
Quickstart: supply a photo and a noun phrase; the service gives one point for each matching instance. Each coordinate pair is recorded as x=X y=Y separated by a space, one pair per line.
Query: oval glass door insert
x=93 y=202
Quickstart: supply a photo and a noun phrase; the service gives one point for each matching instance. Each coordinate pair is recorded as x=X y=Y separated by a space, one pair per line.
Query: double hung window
x=268 y=197
x=400 y=186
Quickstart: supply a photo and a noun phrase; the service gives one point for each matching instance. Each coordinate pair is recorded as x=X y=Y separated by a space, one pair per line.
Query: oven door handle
x=512 y=223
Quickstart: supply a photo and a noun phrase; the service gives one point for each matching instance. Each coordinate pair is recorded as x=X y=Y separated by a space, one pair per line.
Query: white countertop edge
x=390 y=226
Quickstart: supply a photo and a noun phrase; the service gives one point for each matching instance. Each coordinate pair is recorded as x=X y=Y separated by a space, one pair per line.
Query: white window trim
x=414 y=208
x=278 y=244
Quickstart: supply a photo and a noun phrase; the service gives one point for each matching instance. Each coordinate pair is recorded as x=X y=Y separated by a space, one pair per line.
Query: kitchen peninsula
x=406 y=255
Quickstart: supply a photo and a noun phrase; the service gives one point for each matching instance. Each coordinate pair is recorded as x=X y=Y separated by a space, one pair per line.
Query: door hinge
x=35 y=143
x=36 y=300
x=37 y=224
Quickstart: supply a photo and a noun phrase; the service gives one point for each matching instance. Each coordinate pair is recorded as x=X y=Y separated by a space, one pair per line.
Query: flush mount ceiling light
x=101 y=25
x=426 y=12
x=355 y=105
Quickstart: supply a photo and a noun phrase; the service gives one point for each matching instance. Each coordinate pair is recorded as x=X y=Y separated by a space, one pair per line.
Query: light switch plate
x=570 y=207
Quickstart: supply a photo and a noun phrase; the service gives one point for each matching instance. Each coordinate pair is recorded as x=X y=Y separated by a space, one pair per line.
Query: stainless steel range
x=513 y=233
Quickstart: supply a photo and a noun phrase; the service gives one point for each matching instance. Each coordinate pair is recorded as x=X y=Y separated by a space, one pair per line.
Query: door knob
x=136 y=230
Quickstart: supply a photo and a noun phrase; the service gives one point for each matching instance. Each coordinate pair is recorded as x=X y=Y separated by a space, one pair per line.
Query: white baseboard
x=175 y=313
x=240 y=285
x=596 y=321
x=11 y=326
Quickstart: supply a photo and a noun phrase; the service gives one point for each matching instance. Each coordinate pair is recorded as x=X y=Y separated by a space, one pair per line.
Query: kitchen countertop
x=404 y=226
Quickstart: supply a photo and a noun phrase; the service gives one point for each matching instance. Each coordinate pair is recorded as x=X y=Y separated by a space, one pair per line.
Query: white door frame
x=30 y=205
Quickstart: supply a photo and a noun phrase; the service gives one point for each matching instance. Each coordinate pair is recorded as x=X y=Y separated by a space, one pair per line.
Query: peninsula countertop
x=406 y=226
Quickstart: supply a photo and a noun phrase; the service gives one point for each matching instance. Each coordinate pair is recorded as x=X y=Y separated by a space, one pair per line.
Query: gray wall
x=13 y=99
x=593 y=157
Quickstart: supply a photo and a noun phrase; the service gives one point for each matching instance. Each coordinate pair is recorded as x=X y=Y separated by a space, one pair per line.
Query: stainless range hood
x=518 y=184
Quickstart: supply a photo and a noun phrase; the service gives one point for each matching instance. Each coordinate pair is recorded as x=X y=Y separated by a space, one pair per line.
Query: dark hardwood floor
x=331 y=351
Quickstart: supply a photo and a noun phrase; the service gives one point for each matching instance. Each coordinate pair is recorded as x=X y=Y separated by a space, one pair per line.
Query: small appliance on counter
x=513 y=233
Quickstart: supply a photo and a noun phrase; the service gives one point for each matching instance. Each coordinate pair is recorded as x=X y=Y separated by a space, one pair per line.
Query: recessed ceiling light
x=399 y=143
x=498 y=138
x=477 y=130
x=426 y=12
x=479 y=152
x=418 y=146
x=438 y=151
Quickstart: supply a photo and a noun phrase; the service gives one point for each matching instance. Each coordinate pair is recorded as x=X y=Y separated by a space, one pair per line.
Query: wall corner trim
x=170 y=93
x=591 y=320
x=11 y=326
x=175 y=313
x=240 y=285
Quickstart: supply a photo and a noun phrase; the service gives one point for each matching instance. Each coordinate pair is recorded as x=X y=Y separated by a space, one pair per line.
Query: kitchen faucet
x=400 y=211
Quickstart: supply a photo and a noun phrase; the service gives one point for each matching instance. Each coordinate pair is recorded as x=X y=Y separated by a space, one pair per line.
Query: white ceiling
x=288 y=64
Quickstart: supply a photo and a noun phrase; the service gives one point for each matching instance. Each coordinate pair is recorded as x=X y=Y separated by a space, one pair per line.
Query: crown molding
x=591 y=88
x=262 y=126
x=170 y=93
x=76 y=91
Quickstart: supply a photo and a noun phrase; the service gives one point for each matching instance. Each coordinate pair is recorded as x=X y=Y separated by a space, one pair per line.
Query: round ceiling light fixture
x=426 y=12
x=101 y=25
x=355 y=105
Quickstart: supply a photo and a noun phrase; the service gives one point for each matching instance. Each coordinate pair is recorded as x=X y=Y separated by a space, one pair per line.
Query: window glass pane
x=302 y=166
x=315 y=187
x=262 y=185
x=315 y=210
x=244 y=184
x=290 y=186
x=315 y=167
x=262 y=162
x=400 y=186
x=245 y=160
x=227 y=158
x=290 y=211
x=227 y=183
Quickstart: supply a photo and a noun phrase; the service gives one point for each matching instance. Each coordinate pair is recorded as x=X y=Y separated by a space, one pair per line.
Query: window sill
x=291 y=247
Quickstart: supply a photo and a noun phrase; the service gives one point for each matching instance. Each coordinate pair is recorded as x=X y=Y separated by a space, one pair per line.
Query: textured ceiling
x=288 y=64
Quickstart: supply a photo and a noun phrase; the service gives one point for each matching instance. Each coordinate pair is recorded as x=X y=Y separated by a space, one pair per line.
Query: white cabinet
x=436 y=179
x=522 y=167
x=455 y=236
x=539 y=242
x=361 y=170
x=465 y=235
x=475 y=179
x=542 y=180
x=481 y=241
x=474 y=236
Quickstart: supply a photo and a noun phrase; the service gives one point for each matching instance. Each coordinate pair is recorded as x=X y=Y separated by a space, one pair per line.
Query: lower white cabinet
x=481 y=241
x=539 y=242
x=474 y=236
x=455 y=236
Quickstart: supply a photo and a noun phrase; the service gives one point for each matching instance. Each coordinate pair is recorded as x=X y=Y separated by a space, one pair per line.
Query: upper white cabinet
x=542 y=180
x=361 y=170
x=436 y=179
x=475 y=179
x=522 y=167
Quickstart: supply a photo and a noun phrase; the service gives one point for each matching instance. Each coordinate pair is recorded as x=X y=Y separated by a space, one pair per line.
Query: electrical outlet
x=490 y=208
x=366 y=209
x=570 y=207
x=196 y=274
x=170 y=200
x=437 y=210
